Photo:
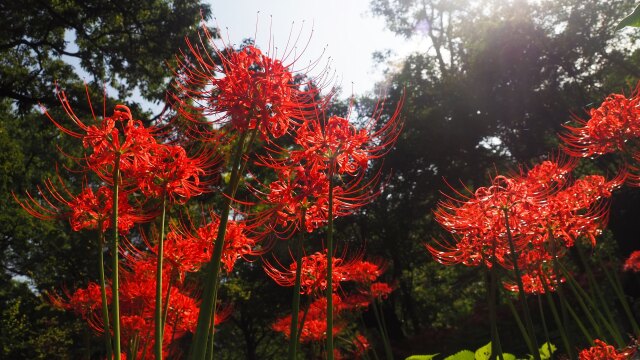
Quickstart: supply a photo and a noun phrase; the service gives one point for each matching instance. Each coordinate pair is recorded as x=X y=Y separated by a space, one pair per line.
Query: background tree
x=492 y=90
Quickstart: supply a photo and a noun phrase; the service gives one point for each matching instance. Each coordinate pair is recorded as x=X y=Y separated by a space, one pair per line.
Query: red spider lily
x=578 y=210
x=244 y=88
x=365 y=294
x=362 y=345
x=633 y=262
x=479 y=225
x=237 y=243
x=170 y=171
x=354 y=347
x=187 y=249
x=608 y=128
x=154 y=168
x=602 y=351
x=336 y=139
x=137 y=303
x=380 y=290
x=314 y=272
x=85 y=302
x=183 y=253
x=533 y=282
x=541 y=208
x=118 y=136
x=88 y=210
x=138 y=294
x=93 y=211
x=365 y=272
x=315 y=322
x=300 y=190
x=325 y=148
x=549 y=174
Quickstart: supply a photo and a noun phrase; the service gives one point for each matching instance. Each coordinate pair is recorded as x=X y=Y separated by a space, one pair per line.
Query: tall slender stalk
x=560 y=291
x=206 y=317
x=495 y=337
x=492 y=298
x=115 y=284
x=295 y=304
x=588 y=307
x=301 y=326
x=159 y=328
x=547 y=338
x=523 y=300
x=609 y=322
x=167 y=298
x=556 y=317
x=103 y=293
x=521 y=327
x=617 y=287
x=330 y=263
x=581 y=326
x=210 y=343
x=384 y=334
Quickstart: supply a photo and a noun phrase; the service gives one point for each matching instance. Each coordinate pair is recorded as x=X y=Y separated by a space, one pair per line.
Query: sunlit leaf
x=546 y=350
x=632 y=19
x=484 y=353
x=462 y=355
x=421 y=357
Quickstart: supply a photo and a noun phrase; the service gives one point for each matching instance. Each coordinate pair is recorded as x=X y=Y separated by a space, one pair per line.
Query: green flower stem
x=243 y=164
x=362 y=325
x=492 y=277
x=560 y=290
x=301 y=326
x=589 y=308
x=210 y=346
x=115 y=285
x=387 y=343
x=159 y=328
x=144 y=351
x=384 y=334
x=134 y=343
x=547 y=338
x=521 y=294
x=556 y=316
x=167 y=298
x=206 y=317
x=210 y=343
x=103 y=293
x=617 y=287
x=295 y=304
x=609 y=322
x=576 y=318
x=330 y=264
x=521 y=327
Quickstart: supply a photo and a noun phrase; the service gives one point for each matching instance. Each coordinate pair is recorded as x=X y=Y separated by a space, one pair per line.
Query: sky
x=345 y=30
x=342 y=33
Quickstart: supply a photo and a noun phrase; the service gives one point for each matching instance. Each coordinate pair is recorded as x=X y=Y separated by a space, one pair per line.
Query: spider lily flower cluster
x=541 y=211
x=603 y=351
x=361 y=278
x=272 y=118
x=527 y=222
